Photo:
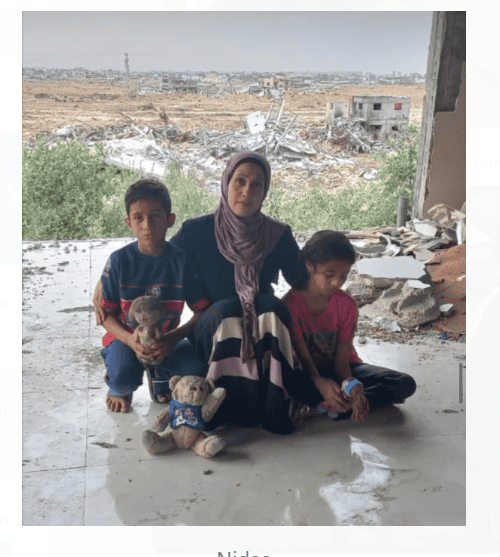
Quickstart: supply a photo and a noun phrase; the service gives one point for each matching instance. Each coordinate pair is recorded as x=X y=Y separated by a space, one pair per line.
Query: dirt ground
x=92 y=104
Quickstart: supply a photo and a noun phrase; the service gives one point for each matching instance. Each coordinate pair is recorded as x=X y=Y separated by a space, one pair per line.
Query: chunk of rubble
x=446 y=309
x=425 y=227
x=409 y=303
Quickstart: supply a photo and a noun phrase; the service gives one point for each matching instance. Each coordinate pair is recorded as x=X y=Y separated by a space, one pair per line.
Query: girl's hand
x=332 y=394
x=360 y=405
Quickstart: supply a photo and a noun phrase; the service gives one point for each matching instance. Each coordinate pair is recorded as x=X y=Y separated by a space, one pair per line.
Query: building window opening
x=377 y=106
x=395 y=128
x=360 y=106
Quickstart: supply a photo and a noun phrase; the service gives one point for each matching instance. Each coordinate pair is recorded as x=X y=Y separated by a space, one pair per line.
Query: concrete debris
x=255 y=122
x=425 y=227
x=446 y=309
x=386 y=323
x=444 y=215
x=369 y=174
x=349 y=131
x=407 y=303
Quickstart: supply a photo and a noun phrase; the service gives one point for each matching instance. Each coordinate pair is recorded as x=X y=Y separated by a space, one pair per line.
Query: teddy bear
x=151 y=316
x=194 y=402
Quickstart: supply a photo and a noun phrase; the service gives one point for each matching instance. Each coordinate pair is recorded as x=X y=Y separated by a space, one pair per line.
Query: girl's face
x=329 y=276
x=246 y=189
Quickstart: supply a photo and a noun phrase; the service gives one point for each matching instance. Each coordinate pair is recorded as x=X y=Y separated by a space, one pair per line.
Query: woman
x=244 y=336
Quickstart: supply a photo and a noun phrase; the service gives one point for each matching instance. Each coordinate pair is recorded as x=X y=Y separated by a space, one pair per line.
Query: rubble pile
x=390 y=282
x=350 y=132
x=215 y=90
x=90 y=134
x=83 y=98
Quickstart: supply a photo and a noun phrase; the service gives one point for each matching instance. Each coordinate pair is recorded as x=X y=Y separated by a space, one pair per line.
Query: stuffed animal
x=151 y=315
x=194 y=402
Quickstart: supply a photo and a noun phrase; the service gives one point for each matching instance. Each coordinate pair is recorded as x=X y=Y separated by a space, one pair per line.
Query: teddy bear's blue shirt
x=183 y=413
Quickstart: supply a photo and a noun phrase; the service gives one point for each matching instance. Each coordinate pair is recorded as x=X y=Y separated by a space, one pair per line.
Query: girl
x=323 y=324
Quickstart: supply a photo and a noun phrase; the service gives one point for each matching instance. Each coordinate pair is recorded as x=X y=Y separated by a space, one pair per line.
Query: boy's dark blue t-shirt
x=197 y=237
x=171 y=276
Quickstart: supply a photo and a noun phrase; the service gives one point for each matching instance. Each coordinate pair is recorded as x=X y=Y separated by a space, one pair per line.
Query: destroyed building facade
x=382 y=113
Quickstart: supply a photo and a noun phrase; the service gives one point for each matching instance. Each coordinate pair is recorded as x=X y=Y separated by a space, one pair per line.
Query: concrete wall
x=446 y=175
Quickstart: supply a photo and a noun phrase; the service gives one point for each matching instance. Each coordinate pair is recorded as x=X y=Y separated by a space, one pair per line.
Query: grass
x=68 y=193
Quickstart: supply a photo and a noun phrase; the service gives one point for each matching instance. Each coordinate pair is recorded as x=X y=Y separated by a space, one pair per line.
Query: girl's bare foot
x=117 y=403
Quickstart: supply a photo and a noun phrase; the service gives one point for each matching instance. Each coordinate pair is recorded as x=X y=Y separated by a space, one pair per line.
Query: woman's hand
x=332 y=394
x=100 y=315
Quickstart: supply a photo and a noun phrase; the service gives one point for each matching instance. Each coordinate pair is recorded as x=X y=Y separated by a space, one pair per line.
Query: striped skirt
x=255 y=390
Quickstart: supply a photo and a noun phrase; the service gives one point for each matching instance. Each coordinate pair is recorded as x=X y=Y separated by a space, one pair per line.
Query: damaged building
x=382 y=113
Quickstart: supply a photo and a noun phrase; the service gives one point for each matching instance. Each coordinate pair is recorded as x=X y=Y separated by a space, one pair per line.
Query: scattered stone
x=446 y=309
x=105 y=445
x=207 y=471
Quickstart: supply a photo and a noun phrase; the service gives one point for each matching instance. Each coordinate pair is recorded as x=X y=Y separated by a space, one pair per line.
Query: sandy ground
x=90 y=104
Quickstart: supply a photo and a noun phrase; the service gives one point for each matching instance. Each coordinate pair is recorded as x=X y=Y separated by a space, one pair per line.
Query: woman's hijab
x=245 y=242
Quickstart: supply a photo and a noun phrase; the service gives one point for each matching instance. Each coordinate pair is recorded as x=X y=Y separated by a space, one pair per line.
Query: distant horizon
x=266 y=42
x=223 y=71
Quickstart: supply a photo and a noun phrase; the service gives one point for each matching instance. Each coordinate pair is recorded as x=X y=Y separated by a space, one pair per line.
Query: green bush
x=188 y=199
x=63 y=190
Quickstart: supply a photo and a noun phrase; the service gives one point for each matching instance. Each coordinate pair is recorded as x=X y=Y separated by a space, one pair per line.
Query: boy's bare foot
x=117 y=403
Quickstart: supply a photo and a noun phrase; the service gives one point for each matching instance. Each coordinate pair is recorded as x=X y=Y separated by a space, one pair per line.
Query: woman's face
x=246 y=189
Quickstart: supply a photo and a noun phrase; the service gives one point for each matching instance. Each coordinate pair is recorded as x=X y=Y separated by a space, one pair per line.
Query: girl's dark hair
x=325 y=245
x=148 y=187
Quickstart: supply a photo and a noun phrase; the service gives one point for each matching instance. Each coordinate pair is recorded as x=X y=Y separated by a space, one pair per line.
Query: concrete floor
x=83 y=465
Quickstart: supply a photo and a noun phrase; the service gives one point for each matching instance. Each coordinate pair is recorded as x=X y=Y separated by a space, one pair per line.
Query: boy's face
x=329 y=276
x=149 y=222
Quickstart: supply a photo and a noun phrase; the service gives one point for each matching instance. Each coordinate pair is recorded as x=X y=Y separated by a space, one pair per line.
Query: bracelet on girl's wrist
x=348 y=384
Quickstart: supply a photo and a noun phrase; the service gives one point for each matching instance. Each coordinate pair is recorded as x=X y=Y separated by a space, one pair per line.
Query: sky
x=326 y=41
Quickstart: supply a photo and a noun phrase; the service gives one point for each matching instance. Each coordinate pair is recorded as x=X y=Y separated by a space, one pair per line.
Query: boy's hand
x=100 y=315
x=333 y=394
x=360 y=405
x=162 y=348
x=142 y=352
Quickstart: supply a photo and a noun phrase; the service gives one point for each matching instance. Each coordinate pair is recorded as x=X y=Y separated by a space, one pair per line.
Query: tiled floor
x=84 y=465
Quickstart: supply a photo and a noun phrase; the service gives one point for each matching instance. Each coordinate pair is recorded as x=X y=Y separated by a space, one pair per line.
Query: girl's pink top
x=322 y=331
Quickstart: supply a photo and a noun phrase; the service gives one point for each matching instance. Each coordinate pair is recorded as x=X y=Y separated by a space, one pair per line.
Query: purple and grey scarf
x=245 y=242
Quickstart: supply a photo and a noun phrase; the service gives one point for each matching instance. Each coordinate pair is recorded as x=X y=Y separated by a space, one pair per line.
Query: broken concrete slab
x=425 y=227
x=401 y=267
x=410 y=303
x=255 y=122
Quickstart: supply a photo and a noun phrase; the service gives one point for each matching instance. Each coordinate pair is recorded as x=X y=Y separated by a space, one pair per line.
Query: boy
x=150 y=266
